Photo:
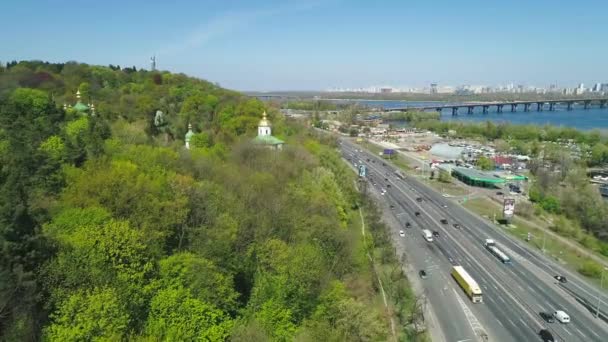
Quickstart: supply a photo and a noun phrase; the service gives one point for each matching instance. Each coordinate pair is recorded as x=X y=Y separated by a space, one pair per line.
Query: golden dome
x=264 y=121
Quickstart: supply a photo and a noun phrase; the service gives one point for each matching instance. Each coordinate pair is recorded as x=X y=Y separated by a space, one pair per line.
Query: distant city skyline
x=316 y=45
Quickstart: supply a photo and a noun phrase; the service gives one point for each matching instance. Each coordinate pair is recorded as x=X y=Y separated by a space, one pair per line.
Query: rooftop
x=477 y=175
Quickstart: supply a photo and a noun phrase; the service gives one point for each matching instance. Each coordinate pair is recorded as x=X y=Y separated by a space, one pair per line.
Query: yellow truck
x=468 y=284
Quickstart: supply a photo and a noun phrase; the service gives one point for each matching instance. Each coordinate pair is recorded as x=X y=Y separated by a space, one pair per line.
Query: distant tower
x=433 y=88
x=264 y=127
x=189 y=136
x=153 y=63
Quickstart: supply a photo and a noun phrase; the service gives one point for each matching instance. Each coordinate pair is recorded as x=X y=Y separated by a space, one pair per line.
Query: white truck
x=491 y=246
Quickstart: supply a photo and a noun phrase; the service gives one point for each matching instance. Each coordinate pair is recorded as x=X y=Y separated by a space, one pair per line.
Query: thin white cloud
x=225 y=24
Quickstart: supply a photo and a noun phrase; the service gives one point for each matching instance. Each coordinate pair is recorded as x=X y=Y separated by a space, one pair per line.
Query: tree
x=96 y=315
x=201 y=277
x=176 y=316
x=485 y=163
x=444 y=177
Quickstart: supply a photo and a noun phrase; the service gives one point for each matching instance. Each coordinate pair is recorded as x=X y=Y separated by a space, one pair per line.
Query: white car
x=401 y=233
x=561 y=316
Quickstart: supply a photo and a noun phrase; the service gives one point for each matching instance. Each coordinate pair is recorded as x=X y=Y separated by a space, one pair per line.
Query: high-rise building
x=597 y=87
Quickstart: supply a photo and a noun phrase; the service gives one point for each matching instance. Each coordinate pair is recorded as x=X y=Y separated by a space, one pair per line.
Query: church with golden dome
x=265 y=137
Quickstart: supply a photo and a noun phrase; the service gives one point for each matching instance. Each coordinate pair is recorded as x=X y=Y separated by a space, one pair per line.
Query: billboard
x=508 y=208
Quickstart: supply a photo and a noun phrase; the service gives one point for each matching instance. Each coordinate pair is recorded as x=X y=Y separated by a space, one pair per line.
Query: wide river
x=584 y=119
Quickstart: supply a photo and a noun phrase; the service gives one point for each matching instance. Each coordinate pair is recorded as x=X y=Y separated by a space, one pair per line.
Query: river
x=584 y=119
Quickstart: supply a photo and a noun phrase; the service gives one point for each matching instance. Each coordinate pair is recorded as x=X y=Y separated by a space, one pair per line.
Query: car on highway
x=546 y=335
x=444 y=206
x=422 y=274
x=561 y=316
x=383 y=164
x=547 y=317
x=457 y=226
x=401 y=233
x=443 y=221
x=435 y=233
x=561 y=279
x=392 y=207
x=499 y=193
x=388 y=185
x=417 y=213
x=418 y=199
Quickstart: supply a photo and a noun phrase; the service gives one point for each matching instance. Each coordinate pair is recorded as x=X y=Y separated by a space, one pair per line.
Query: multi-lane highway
x=514 y=295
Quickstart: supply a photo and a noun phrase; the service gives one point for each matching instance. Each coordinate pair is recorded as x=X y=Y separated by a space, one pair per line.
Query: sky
x=319 y=44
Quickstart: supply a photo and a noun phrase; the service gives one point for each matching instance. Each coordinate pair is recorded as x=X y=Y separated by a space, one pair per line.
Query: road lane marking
x=522 y=321
x=499 y=322
x=569 y=333
x=594 y=333
x=580 y=332
x=473 y=322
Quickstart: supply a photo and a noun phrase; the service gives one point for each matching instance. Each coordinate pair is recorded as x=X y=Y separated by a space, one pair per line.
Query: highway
x=513 y=294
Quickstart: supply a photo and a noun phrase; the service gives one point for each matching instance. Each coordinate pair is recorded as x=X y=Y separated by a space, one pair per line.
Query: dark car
x=388 y=185
x=418 y=199
x=457 y=226
x=383 y=164
x=422 y=274
x=392 y=206
x=499 y=193
x=546 y=335
x=407 y=225
x=561 y=279
x=547 y=317
x=436 y=234
x=417 y=213
x=443 y=221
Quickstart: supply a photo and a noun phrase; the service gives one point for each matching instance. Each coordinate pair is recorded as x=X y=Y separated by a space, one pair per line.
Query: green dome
x=80 y=107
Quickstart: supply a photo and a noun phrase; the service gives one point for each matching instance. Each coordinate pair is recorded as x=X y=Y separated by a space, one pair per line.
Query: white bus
x=491 y=246
x=428 y=236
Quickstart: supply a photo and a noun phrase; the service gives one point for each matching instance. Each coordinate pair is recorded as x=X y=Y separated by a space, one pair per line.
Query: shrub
x=590 y=269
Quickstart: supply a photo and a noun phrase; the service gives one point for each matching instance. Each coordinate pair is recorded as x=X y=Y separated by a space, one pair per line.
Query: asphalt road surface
x=513 y=295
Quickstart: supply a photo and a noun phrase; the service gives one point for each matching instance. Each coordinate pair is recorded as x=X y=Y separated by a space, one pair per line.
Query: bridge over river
x=538 y=105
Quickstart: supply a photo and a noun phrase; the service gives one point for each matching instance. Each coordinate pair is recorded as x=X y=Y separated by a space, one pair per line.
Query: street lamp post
x=544 y=240
x=599 y=295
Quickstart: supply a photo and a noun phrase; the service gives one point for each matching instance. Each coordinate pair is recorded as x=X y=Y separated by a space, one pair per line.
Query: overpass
x=538 y=105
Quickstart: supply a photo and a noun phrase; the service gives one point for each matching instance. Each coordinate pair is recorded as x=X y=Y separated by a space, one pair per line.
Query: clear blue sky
x=296 y=45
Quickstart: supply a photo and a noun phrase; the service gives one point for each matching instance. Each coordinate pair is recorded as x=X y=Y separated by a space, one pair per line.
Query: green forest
x=111 y=230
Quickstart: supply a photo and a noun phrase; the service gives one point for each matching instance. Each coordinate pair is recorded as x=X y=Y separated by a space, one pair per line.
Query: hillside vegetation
x=111 y=230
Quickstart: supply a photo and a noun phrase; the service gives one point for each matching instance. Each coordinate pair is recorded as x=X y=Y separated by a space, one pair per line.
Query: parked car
x=435 y=233
x=419 y=199
x=548 y=317
x=499 y=193
x=422 y=274
x=443 y=221
x=401 y=233
x=417 y=213
x=407 y=224
x=457 y=226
